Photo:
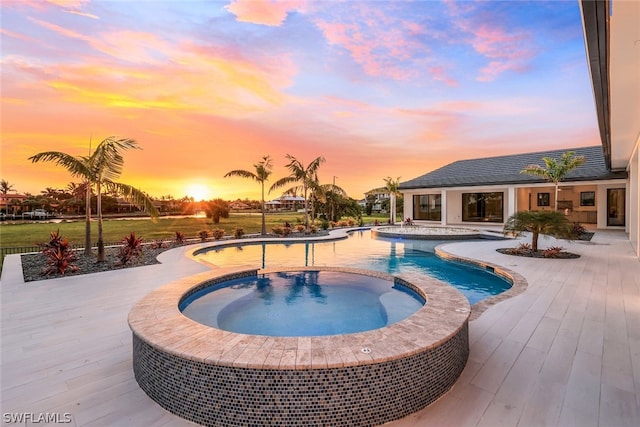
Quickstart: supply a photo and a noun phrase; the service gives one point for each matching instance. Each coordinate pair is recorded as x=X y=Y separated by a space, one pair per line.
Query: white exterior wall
x=516 y=198
x=633 y=210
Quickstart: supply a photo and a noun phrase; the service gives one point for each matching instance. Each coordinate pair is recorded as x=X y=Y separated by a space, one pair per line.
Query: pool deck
x=566 y=352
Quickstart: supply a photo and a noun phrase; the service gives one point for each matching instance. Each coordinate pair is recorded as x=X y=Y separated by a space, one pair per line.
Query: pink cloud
x=384 y=45
x=506 y=51
x=271 y=12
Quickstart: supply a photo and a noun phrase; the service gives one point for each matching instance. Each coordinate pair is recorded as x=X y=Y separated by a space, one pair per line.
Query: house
x=11 y=203
x=376 y=198
x=489 y=190
x=603 y=192
x=285 y=203
x=612 y=40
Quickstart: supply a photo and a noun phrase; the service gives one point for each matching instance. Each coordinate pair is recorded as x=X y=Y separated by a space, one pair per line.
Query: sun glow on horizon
x=199 y=192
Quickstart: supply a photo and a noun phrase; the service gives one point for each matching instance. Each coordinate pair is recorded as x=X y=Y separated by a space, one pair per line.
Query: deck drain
x=366 y=350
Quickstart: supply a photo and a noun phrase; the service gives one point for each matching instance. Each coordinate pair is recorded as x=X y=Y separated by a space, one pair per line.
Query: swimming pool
x=361 y=250
x=302 y=303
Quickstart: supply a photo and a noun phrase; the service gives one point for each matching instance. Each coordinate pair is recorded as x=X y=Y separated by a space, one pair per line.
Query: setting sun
x=199 y=192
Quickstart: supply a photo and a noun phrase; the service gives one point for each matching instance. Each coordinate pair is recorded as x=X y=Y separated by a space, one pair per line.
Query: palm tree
x=537 y=223
x=261 y=175
x=5 y=187
x=554 y=170
x=100 y=169
x=306 y=176
x=392 y=187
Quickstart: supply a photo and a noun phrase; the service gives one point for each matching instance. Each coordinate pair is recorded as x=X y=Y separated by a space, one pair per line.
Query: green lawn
x=29 y=234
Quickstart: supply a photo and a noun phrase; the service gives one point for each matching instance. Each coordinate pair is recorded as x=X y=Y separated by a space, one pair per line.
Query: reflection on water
x=302 y=303
x=361 y=250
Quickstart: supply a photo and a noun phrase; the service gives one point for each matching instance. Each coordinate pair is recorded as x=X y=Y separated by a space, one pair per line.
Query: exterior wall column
x=511 y=202
x=443 y=207
x=407 y=207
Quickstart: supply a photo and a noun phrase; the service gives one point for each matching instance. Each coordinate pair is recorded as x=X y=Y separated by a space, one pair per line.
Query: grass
x=114 y=230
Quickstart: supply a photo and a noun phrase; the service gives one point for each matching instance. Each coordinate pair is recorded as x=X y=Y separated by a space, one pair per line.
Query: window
x=483 y=207
x=588 y=198
x=544 y=199
x=427 y=207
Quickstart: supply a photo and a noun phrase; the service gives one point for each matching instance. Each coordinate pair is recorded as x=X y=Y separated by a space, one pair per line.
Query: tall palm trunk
x=101 y=256
x=87 y=219
x=306 y=211
x=264 y=225
x=556 y=198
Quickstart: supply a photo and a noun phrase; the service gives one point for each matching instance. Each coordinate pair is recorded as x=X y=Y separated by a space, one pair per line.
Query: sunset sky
x=378 y=88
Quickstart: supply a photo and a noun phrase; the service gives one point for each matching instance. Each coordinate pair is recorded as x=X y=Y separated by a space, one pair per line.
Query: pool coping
x=157 y=321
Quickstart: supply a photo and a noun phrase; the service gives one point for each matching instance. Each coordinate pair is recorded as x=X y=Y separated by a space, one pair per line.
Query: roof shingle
x=506 y=170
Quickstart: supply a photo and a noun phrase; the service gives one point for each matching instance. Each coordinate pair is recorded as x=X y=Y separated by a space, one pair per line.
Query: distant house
x=285 y=203
x=489 y=190
x=376 y=197
x=11 y=203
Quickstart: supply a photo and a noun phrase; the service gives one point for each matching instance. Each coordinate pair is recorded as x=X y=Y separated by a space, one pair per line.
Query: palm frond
x=135 y=196
x=243 y=174
x=282 y=182
x=77 y=166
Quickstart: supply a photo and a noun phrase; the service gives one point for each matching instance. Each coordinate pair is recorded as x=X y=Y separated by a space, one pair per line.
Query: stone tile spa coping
x=157 y=321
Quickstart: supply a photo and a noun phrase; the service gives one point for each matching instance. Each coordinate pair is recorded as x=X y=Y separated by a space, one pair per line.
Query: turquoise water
x=361 y=250
x=302 y=303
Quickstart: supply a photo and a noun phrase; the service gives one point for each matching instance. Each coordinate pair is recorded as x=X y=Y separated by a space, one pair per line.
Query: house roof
x=506 y=170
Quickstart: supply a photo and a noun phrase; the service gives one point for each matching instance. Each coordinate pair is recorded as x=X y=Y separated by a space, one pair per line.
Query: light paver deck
x=566 y=352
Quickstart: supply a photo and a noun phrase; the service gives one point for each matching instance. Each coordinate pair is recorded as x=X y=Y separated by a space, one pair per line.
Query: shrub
x=300 y=228
x=578 y=229
x=324 y=224
x=59 y=255
x=238 y=232
x=313 y=229
x=131 y=248
x=521 y=249
x=204 y=235
x=552 y=252
x=281 y=231
x=158 y=244
x=218 y=233
x=217 y=209
x=180 y=238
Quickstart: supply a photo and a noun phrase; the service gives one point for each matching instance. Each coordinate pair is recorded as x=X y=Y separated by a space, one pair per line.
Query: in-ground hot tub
x=221 y=378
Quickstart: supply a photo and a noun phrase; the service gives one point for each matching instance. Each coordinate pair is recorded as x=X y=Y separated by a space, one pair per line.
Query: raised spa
x=302 y=303
x=216 y=377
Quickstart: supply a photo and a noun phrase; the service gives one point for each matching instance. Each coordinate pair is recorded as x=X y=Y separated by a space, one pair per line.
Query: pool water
x=360 y=250
x=302 y=303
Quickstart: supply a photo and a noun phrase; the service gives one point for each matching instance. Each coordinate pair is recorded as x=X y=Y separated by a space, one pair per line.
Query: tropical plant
x=217 y=209
x=555 y=170
x=131 y=248
x=180 y=237
x=238 y=232
x=59 y=255
x=552 y=251
x=539 y=223
x=307 y=179
x=5 y=187
x=391 y=186
x=100 y=169
x=261 y=175
x=217 y=233
x=204 y=235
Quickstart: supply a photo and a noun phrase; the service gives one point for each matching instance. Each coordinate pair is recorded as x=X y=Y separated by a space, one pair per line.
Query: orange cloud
x=271 y=12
